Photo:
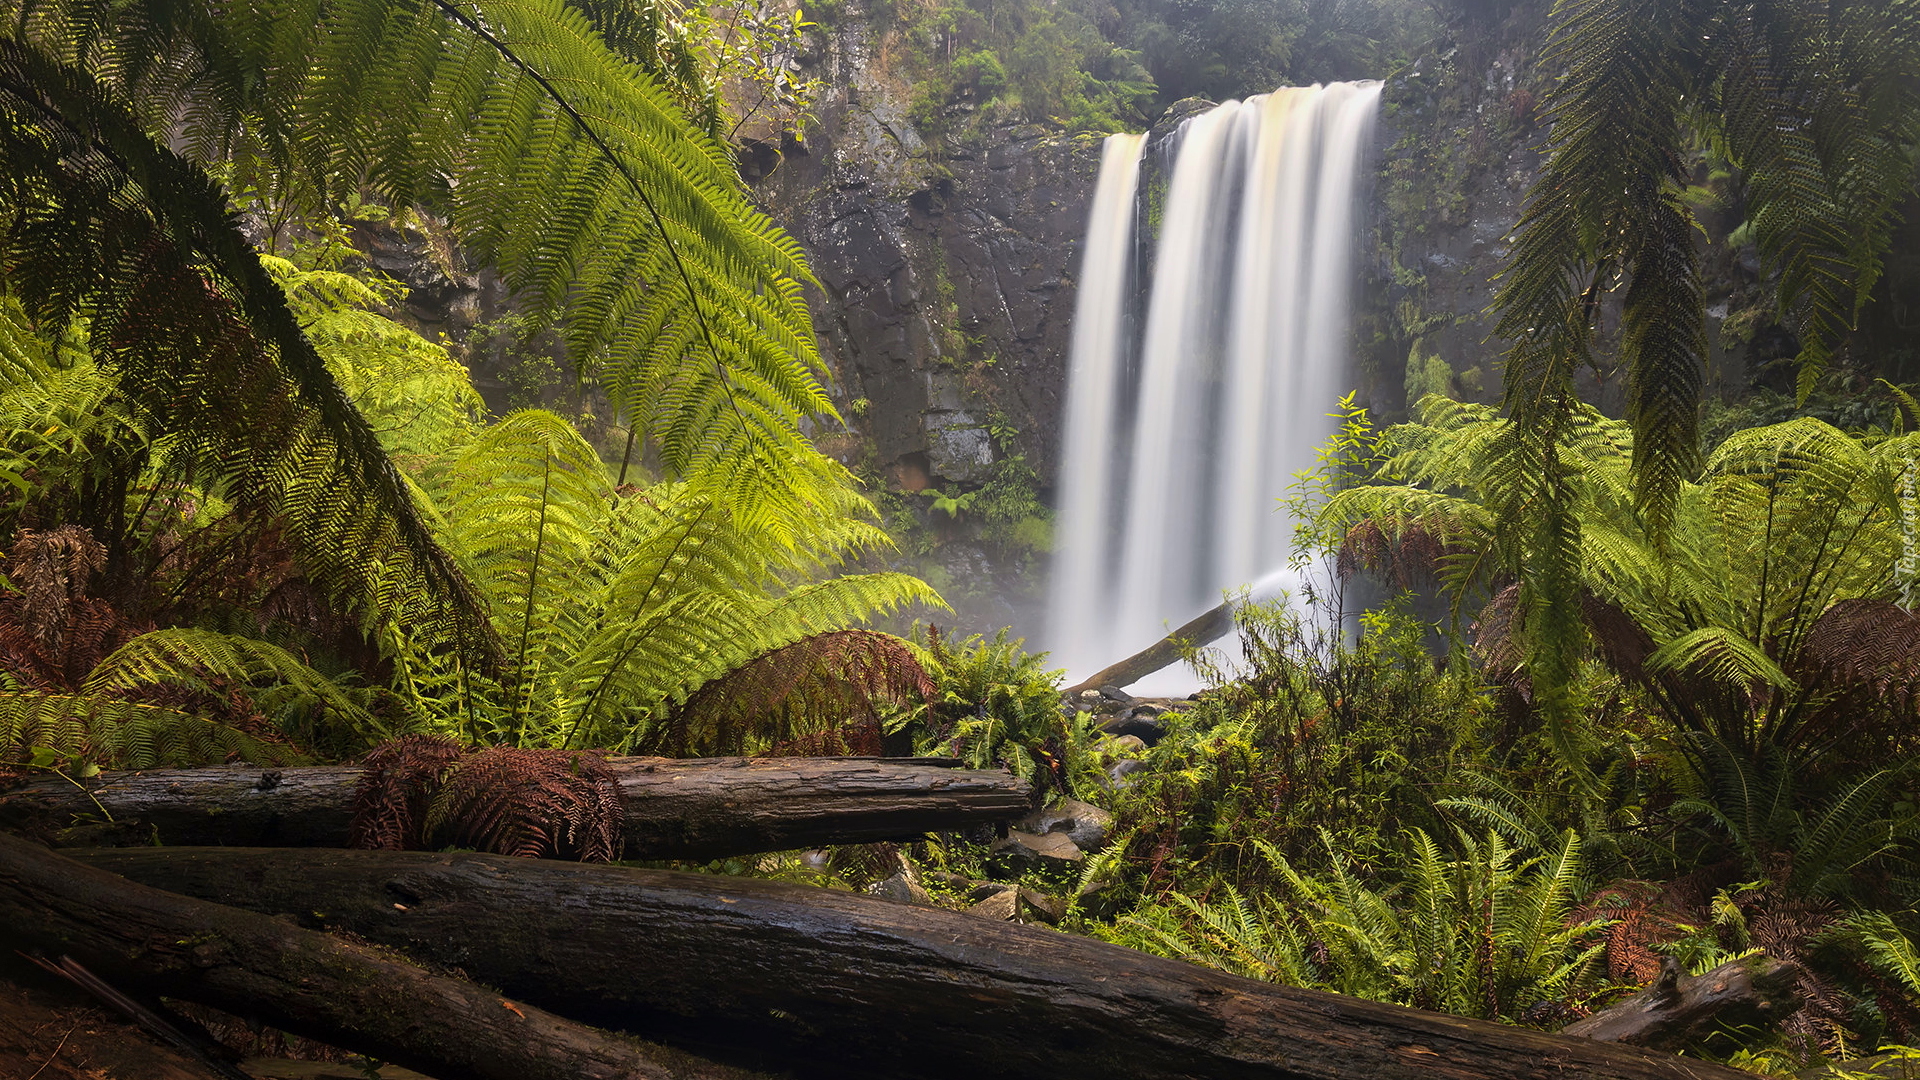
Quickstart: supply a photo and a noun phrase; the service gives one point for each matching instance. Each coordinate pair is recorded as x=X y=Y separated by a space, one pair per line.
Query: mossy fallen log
x=674 y=809
x=825 y=983
x=1679 y=1011
x=306 y=982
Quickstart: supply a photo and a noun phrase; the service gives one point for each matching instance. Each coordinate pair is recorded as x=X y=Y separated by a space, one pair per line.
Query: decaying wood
x=1163 y=653
x=826 y=983
x=302 y=981
x=1679 y=1011
x=675 y=809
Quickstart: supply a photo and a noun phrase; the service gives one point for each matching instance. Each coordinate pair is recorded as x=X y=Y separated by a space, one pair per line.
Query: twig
x=151 y=1021
x=57 y=1047
x=84 y=789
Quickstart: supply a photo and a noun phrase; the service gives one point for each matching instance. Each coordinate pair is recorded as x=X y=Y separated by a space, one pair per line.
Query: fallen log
x=1679 y=1011
x=675 y=809
x=1163 y=653
x=306 y=982
x=827 y=983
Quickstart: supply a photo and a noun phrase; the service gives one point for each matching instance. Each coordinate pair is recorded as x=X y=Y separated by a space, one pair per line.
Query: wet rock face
x=946 y=269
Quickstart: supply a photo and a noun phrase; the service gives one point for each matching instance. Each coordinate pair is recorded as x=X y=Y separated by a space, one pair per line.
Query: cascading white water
x=1180 y=435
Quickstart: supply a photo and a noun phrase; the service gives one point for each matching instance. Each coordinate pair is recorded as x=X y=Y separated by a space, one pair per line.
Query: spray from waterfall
x=1185 y=428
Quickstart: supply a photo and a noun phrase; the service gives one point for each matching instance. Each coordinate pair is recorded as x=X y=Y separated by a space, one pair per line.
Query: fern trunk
x=820 y=983
x=305 y=982
x=674 y=809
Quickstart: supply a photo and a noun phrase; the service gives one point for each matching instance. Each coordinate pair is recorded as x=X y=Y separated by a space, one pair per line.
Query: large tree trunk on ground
x=303 y=981
x=837 y=984
x=675 y=809
x=1679 y=1011
x=1163 y=653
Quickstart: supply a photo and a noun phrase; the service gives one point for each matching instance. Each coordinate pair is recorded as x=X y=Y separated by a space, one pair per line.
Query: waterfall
x=1184 y=429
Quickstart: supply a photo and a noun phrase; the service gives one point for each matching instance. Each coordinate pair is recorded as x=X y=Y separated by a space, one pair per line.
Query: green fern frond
x=1891 y=950
x=197 y=335
x=125 y=734
x=186 y=658
x=1716 y=652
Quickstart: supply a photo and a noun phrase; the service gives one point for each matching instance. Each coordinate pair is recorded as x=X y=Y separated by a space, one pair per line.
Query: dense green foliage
x=1110 y=65
x=1808 y=110
x=1670 y=715
x=244 y=496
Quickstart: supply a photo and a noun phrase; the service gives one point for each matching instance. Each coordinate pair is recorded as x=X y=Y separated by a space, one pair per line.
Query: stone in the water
x=1114 y=693
x=1085 y=824
x=1022 y=851
x=1127 y=744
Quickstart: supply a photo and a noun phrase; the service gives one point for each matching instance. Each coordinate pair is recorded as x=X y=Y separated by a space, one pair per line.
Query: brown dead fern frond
x=1640 y=922
x=51 y=569
x=52 y=633
x=1623 y=643
x=1872 y=645
x=530 y=803
x=1495 y=635
x=1411 y=555
x=842 y=683
x=422 y=791
x=396 y=787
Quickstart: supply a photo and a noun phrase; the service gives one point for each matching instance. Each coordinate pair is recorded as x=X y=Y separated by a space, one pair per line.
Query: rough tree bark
x=306 y=982
x=826 y=983
x=1163 y=653
x=675 y=809
x=1679 y=1011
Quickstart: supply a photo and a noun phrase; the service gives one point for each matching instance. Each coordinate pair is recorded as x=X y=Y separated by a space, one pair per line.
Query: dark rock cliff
x=946 y=269
x=944 y=305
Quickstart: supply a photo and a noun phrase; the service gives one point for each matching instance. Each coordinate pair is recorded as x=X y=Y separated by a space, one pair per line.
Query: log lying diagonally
x=837 y=984
x=675 y=809
x=306 y=982
x=1681 y=1010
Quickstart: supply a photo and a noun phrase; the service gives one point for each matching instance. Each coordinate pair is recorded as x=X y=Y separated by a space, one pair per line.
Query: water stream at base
x=1184 y=427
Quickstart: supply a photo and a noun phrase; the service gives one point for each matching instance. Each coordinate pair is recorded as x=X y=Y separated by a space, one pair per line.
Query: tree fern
x=559 y=161
x=1811 y=104
x=1807 y=101
x=105 y=223
x=615 y=605
x=1725 y=620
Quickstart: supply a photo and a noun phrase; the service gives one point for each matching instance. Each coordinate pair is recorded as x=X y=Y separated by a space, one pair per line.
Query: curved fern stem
x=533 y=585
x=646 y=200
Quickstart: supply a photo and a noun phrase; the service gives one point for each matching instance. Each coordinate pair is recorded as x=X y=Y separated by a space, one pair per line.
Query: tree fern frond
x=198 y=335
x=126 y=734
x=1716 y=652
x=185 y=658
x=842 y=683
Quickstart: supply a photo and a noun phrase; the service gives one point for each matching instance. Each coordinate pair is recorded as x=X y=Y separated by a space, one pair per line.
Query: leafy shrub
x=1311 y=731
x=1482 y=932
x=994 y=703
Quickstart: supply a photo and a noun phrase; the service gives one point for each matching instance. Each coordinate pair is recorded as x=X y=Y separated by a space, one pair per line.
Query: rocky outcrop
x=945 y=268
